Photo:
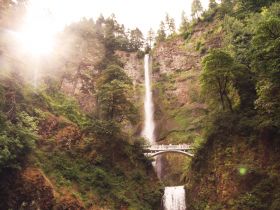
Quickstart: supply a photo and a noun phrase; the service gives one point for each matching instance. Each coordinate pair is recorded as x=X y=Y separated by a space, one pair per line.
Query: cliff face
x=174 y=57
x=80 y=76
x=133 y=66
x=180 y=108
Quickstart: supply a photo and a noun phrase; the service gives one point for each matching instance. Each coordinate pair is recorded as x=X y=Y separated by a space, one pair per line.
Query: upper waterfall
x=149 y=125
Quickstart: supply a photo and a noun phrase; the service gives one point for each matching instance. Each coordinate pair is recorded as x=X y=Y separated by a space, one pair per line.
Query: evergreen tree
x=115 y=94
x=212 y=4
x=184 y=23
x=161 y=34
x=254 y=5
x=170 y=24
x=150 y=37
x=196 y=8
x=136 y=39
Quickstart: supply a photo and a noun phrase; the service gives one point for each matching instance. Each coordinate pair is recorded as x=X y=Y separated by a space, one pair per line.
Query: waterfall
x=174 y=198
x=149 y=125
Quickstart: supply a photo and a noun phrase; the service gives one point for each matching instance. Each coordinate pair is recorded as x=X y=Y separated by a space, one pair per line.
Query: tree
x=254 y=5
x=18 y=130
x=226 y=7
x=82 y=41
x=114 y=95
x=212 y=4
x=196 y=8
x=184 y=23
x=161 y=34
x=266 y=63
x=217 y=76
x=150 y=37
x=170 y=24
x=136 y=39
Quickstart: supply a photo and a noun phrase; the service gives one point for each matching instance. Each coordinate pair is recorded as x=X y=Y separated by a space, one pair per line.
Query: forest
x=71 y=121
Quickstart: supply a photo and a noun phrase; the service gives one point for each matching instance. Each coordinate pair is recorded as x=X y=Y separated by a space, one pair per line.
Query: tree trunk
x=229 y=101
x=221 y=93
x=222 y=100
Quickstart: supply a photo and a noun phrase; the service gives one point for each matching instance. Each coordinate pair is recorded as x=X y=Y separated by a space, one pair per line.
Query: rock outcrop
x=133 y=66
x=173 y=55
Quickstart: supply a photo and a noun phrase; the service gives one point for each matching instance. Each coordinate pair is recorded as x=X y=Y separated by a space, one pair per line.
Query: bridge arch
x=170 y=151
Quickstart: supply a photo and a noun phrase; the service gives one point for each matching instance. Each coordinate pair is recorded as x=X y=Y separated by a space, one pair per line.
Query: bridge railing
x=168 y=147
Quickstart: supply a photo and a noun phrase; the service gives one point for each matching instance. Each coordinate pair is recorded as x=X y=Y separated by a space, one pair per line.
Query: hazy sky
x=144 y=14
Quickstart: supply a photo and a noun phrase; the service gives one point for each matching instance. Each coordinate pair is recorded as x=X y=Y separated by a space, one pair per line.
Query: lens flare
x=243 y=171
x=36 y=34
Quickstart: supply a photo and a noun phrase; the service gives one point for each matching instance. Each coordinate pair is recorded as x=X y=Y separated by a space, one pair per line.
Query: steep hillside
x=68 y=122
x=235 y=172
x=65 y=159
x=237 y=165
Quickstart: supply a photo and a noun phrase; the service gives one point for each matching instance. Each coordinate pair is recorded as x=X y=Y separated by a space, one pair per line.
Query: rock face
x=176 y=70
x=133 y=66
x=173 y=55
x=80 y=77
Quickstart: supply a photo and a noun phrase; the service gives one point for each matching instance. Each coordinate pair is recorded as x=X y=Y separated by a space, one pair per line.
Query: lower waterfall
x=174 y=197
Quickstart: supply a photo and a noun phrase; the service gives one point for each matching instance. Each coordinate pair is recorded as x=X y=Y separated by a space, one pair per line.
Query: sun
x=36 y=40
x=37 y=31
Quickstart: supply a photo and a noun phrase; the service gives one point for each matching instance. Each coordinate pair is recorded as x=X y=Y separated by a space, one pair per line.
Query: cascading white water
x=174 y=198
x=149 y=125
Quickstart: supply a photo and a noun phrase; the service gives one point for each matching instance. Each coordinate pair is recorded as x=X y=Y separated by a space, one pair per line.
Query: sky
x=144 y=14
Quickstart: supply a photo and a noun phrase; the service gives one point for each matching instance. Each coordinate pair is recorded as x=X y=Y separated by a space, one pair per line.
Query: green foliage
x=136 y=40
x=226 y=8
x=212 y=4
x=249 y=64
x=266 y=48
x=59 y=104
x=114 y=95
x=122 y=170
x=17 y=137
x=209 y=15
x=254 y=42
x=196 y=8
x=217 y=77
x=260 y=197
x=185 y=25
x=254 y=5
x=161 y=33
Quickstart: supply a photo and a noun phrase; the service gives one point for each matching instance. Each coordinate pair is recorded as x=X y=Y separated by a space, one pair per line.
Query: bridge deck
x=155 y=150
x=168 y=147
